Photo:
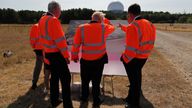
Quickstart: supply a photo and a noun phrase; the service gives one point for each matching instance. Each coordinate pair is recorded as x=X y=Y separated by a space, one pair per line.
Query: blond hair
x=98 y=16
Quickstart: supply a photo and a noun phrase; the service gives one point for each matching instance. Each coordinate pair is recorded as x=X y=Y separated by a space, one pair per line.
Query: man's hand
x=120 y=25
x=67 y=60
x=121 y=58
x=76 y=60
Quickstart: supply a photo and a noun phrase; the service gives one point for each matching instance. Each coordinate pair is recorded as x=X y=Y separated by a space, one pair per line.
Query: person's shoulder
x=43 y=17
x=54 y=19
x=131 y=26
x=146 y=21
x=84 y=25
x=34 y=26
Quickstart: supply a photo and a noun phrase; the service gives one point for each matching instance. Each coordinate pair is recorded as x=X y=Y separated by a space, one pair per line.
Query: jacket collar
x=138 y=18
x=49 y=14
x=93 y=22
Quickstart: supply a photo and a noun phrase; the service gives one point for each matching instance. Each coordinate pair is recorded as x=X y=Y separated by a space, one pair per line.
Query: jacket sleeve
x=132 y=44
x=106 y=21
x=154 y=31
x=109 y=29
x=59 y=37
x=76 y=44
x=124 y=28
x=45 y=60
x=33 y=36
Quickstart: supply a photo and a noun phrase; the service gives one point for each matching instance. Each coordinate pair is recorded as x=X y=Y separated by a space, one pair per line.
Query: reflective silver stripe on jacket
x=128 y=57
x=93 y=51
x=143 y=52
x=74 y=53
x=63 y=49
x=60 y=39
x=76 y=45
x=35 y=38
x=38 y=43
x=138 y=30
x=151 y=42
x=137 y=51
x=93 y=44
x=49 y=46
x=47 y=37
x=140 y=36
x=147 y=42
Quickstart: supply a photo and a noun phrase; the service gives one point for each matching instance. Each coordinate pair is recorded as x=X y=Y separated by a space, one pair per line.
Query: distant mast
x=116 y=7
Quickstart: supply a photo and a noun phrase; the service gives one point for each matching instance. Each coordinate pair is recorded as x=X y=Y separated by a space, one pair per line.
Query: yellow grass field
x=16 y=38
x=163 y=87
x=175 y=27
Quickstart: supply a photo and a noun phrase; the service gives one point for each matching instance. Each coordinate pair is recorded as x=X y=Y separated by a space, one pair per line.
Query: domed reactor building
x=116 y=7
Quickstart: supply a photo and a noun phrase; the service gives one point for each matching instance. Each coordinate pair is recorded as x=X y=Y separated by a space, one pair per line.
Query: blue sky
x=173 y=6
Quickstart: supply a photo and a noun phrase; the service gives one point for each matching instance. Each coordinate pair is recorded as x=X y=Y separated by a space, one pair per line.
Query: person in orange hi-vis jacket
x=140 y=39
x=38 y=49
x=56 y=52
x=91 y=37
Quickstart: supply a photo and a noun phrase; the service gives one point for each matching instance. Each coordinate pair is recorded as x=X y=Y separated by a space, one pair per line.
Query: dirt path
x=163 y=84
x=177 y=48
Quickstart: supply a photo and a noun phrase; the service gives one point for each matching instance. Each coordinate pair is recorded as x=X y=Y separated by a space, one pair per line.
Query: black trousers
x=38 y=65
x=92 y=71
x=134 y=73
x=59 y=71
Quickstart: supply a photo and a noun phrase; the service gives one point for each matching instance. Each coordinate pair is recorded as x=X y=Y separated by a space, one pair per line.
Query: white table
x=113 y=68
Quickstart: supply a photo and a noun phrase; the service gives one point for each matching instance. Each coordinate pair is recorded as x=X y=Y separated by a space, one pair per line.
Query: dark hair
x=52 y=6
x=135 y=9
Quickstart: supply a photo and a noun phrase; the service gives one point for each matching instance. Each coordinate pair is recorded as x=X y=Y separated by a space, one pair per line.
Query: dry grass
x=174 y=27
x=162 y=85
x=16 y=38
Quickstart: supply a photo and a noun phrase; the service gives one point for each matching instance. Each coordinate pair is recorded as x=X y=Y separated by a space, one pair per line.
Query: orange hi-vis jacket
x=140 y=39
x=92 y=39
x=35 y=38
x=52 y=36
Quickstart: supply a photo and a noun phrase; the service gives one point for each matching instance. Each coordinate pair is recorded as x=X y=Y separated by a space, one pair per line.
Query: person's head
x=133 y=11
x=98 y=16
x=54 y=8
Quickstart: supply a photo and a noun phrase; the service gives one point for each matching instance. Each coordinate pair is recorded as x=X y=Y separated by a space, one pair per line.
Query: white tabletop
x=115 y=66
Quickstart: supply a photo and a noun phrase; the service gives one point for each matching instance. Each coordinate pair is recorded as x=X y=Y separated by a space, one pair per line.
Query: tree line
x=10 y=16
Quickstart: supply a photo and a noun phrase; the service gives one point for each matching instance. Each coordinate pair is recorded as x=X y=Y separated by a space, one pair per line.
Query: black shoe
x=34 y=86
x=55 y=104
x=83 y=104
x=97 y=105
x=127 y=105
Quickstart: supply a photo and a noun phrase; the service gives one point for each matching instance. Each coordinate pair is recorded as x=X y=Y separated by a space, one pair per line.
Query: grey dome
x=116 y=6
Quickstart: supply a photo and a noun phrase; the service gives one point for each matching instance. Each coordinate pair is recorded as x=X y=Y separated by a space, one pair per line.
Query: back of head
x=134 y=9
x=98 y=16
x=53 y=6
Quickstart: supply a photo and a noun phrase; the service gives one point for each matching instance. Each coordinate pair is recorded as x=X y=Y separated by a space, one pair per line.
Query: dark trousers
x=133 y=69
x=38 y=65
x=91 y=71
x=59 y=71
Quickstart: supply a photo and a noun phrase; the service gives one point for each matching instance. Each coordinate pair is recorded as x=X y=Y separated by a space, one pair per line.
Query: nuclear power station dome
x=116 y=6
